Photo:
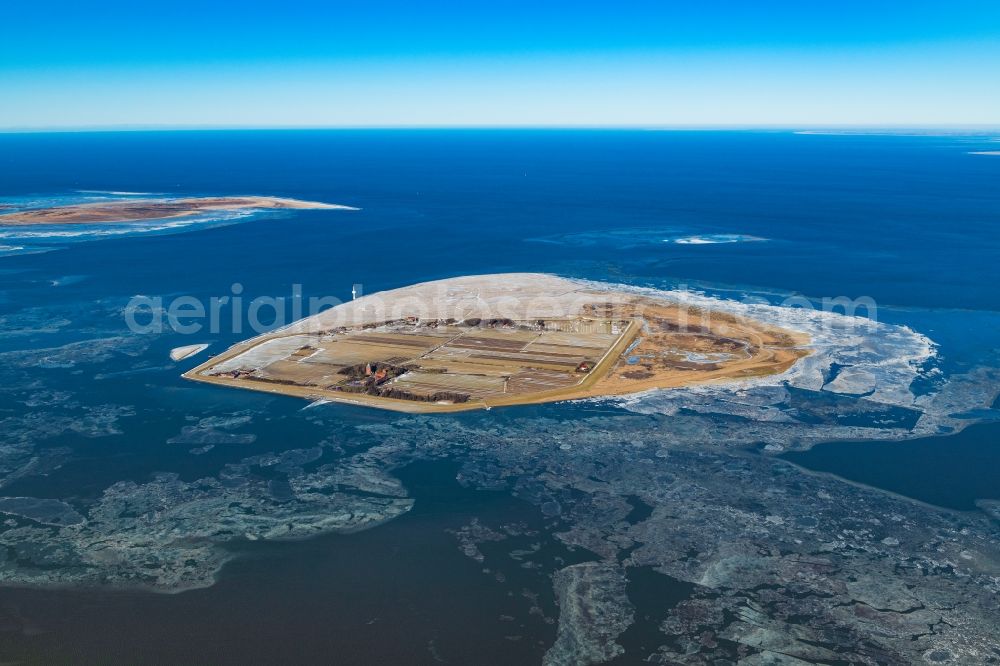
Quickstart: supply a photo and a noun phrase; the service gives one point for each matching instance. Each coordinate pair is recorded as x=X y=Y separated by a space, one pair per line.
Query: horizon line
x=858 y=127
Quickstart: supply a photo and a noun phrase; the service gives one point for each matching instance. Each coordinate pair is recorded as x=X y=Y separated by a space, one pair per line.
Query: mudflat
x=134 y=210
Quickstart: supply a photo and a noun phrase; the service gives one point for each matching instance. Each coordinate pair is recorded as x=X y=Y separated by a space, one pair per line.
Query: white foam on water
x=96 y=231
x=14 y=239
x=849 y=354
x=15 y=250
x=628 y=238
x=714 y=239
x=119 y=193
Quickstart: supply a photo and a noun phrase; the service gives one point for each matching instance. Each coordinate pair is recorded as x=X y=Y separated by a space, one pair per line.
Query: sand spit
x=187 y=351
x=134 y=210
x=492 y=340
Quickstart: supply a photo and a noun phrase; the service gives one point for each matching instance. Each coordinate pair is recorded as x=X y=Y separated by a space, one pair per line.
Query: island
x=491 y=340
x=135 y=210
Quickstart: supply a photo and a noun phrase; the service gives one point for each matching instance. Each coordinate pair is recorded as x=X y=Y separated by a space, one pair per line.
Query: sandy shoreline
x=135 y=210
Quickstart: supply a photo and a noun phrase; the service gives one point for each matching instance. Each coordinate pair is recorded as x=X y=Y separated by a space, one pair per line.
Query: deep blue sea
x=910 y=222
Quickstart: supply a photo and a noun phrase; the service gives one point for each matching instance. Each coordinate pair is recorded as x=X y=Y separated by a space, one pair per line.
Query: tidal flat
x=137 y=209
x=776 y=560
x=140 y=507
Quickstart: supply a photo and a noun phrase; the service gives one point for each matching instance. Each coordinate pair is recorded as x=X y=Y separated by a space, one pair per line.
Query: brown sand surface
x=134 y=210
x=627 y=342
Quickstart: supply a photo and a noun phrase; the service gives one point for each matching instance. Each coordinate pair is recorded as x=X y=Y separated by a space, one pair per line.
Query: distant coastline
x=135 y=210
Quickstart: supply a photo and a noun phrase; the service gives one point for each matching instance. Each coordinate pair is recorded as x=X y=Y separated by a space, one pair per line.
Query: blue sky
x=384 y=63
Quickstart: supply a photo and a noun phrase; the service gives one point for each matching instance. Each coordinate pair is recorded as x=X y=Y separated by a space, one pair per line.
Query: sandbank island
x=490 y=340
x=135 y=210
